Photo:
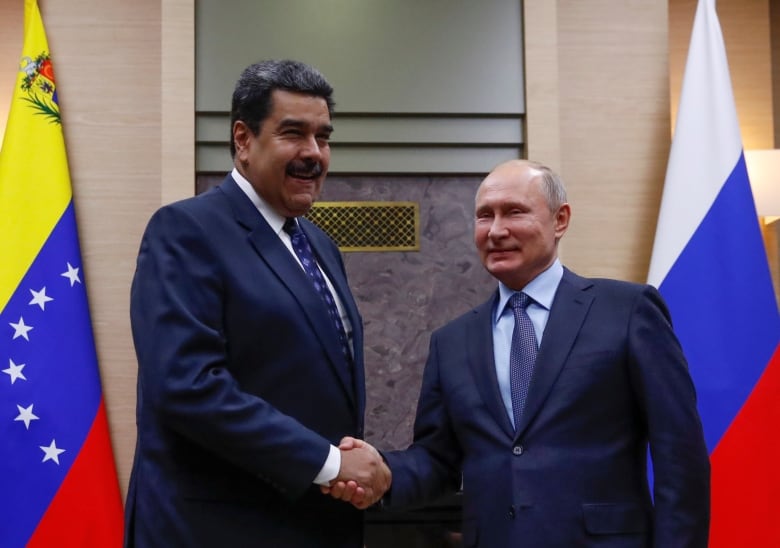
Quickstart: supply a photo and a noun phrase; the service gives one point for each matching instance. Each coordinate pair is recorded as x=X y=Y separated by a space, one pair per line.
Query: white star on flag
x=26 y=415
x=40 y=298
x=52 y=452
x=20 y=329
x=15 y=371
x=72 y=274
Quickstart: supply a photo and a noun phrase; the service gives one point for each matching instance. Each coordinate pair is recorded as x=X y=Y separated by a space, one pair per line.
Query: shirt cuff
x=330 y=470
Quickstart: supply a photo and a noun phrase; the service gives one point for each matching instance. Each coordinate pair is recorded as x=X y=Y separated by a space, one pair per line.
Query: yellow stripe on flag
x=34 y=181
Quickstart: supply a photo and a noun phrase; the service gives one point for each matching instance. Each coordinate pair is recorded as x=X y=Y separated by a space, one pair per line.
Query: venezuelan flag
x=710 y=264
x=58 y=483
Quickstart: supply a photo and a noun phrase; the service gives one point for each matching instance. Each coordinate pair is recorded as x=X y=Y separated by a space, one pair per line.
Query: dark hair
x=252 y=95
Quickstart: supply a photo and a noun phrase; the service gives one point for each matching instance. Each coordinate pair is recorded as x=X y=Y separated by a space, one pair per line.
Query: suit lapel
x=569 y=308
x=271 y=250
x=479 y=335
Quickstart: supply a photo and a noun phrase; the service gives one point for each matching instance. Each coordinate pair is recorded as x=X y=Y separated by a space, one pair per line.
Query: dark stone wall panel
x=404 y=296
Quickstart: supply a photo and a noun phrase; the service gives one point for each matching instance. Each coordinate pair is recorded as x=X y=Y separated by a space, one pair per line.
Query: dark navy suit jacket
x=610 y=378
x=242 y=384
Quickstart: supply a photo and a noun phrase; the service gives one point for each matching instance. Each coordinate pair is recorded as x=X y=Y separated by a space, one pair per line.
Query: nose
x=497 y=228
x=311 y=148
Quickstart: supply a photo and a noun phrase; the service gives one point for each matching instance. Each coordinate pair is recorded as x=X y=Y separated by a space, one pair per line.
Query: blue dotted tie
x=522 y=355
x=300 y=244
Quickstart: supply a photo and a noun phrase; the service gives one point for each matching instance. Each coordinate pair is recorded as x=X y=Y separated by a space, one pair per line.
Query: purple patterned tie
x=300 y=244
x=522 y=354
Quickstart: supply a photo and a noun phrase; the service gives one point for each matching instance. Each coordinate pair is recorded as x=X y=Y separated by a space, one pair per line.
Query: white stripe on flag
x=706 y=144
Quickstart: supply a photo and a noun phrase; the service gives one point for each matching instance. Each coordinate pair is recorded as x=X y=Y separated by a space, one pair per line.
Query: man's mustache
x=304 y=168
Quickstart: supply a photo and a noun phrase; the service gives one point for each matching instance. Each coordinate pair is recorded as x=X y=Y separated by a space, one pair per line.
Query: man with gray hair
x=545 y=398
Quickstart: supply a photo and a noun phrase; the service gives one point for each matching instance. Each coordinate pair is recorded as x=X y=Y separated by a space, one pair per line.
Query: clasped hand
x=363 y=477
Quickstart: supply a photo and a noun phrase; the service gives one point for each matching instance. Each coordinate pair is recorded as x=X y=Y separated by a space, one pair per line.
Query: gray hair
x=552 y=185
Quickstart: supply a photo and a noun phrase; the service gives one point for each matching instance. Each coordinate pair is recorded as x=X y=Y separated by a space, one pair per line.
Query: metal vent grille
x=369 y=226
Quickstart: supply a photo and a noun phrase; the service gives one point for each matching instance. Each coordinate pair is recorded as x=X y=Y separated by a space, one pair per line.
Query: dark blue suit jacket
x=610 y=378
x=242 y=384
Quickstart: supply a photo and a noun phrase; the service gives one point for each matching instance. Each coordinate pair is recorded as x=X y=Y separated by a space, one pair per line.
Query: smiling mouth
x=303 y=176
x=304 y=170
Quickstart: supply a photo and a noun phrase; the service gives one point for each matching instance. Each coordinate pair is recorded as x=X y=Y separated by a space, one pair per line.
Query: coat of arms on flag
x=38 y=83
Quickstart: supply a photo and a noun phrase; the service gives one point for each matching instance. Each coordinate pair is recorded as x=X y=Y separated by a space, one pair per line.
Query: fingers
x=348 y=442
x=348 y=491
x=363 y=477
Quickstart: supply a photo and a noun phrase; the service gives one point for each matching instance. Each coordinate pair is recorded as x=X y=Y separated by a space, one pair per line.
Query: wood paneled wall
x=597 y=96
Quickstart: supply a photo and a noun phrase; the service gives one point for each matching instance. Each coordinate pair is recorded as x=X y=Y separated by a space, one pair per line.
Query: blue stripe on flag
x=720 y=280
x=59 y=366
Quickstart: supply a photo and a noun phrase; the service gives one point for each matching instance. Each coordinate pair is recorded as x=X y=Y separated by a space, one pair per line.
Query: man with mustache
x=249 y=344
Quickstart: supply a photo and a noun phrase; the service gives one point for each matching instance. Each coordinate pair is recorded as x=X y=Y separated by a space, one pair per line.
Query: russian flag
x=58 y=482
x=710 y=264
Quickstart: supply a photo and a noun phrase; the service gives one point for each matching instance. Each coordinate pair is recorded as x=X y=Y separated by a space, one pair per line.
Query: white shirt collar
x=541 y=289
x=275 y=220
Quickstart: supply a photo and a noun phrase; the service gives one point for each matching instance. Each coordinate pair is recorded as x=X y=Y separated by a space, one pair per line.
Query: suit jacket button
x=512 y=512
x=517 y=450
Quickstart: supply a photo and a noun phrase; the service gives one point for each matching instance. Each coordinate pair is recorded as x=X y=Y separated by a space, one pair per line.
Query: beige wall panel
x=774 y=40
x=178 y=99
x=11 y=16
x=614 y=120
x=541 y=82
x=745 y=26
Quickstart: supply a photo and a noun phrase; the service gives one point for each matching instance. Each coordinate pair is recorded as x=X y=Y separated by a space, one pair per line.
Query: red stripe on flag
x=746 y=470
x=87 y=509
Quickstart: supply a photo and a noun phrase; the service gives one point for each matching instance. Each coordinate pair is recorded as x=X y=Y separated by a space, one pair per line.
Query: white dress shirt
x=542 y=290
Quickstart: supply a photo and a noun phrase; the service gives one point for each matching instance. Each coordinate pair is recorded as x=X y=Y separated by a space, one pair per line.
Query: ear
x=562 y=217
x=241 y=136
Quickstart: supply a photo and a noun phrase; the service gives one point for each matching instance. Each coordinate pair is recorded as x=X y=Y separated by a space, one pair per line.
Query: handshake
x=363 y=477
